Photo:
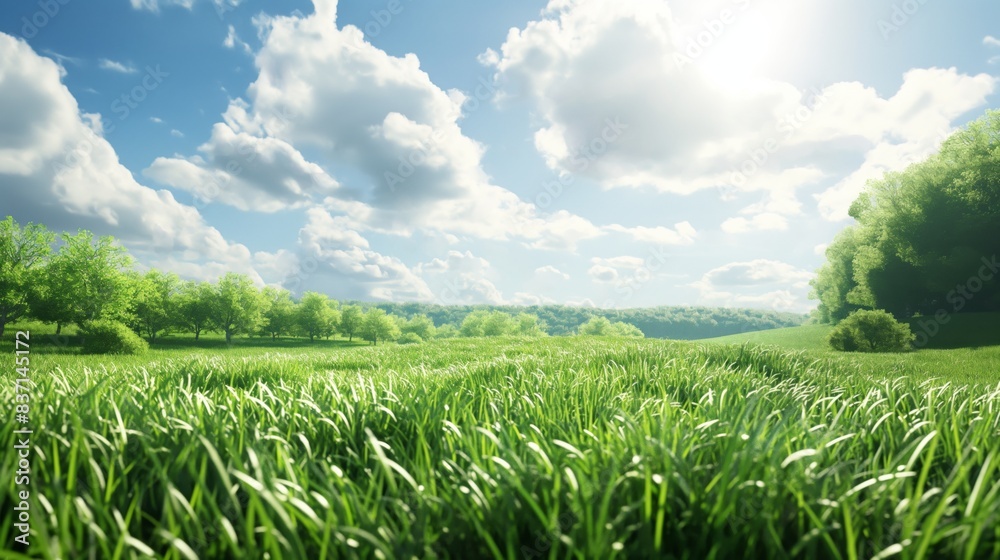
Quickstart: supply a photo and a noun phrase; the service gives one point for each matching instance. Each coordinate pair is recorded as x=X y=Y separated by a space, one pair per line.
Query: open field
x=511 y=448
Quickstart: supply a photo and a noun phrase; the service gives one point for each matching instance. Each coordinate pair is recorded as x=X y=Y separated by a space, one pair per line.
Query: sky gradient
x=583 y=152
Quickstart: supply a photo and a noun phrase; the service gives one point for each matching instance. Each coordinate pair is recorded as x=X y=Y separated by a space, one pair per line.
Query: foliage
x=925 y=238
x=351 y=318
x=279 y=312
x=600 y=326
x=871 y=331
x=316 y=316
x=194 y=302
x=682 y=323
x=377 y=325
x=89 y=278
x=154 y=305
x=23 y=253
x=420 y=325
x=110 y=337
x=409 y=338
x=236 y=305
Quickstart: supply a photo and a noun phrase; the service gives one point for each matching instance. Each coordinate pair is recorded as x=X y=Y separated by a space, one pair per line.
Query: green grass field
x=510 y=448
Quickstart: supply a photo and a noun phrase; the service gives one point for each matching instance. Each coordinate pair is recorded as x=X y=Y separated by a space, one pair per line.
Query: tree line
x=76 y=279
x=926 y=239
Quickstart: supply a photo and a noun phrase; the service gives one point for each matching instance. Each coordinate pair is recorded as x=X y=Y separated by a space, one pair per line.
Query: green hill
x=968 y=330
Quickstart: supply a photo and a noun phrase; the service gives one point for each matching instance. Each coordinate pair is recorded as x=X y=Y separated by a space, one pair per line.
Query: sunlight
x=742 y=51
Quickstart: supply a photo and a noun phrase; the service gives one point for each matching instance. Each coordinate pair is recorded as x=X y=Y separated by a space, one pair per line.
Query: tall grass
x=559 y=448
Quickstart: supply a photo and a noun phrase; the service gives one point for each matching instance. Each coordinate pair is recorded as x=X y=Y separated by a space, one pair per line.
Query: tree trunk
x=197 y=332
x=229 y=336
x=350 y=337
x=58 y=328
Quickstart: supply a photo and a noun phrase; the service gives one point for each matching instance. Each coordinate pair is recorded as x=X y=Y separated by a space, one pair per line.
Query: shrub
x=111 y=337
x=409 y=338
x=871 y=331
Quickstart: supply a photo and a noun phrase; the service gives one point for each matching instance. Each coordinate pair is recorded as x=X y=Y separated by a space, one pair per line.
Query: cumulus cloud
x=682 y=233
x=758 y=283
x=56 y=168
x=233 y=41
x=460 y=278
x=767 y=221
x=765 y=135
x=357 y=107
x=221 y=6
x=246 y=171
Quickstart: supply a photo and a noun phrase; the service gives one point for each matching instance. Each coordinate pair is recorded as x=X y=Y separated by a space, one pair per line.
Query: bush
x=871 y=331
x=410 y=338
x=111 y=337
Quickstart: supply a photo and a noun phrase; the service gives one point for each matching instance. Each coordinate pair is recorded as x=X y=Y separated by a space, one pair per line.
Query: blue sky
x=586 y=152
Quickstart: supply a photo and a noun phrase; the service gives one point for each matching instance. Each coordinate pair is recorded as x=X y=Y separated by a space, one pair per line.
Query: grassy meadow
x=561 y=447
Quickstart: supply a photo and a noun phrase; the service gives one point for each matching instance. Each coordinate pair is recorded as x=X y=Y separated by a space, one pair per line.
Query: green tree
x=596 y=326
x=22 y=258
x=154 y=303
x=315 y=317
x=529 y=325
x=351 y=319
x=237 y=305
x=420 y=325
x=193 y=307
x=91 y=278
x=626 y=330
x=871 y=331
x=377 y=325
x=279 y=312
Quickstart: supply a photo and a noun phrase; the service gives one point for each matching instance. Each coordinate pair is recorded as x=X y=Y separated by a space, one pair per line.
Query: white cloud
x=761 y=136
x=233 y=41
x=460 y=278
x=115 y=66
x=821 y=249
x=767 y=221
x=682 y=234
x=418 y=171
x=603 y=274
x=156 y=120
x=552 y=272
x=176 y=133
x=56 y=168
x=991 y=41
x=221 y=6
x=758 y=283
x=247 y=172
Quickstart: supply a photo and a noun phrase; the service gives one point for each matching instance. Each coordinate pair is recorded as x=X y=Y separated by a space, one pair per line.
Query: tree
x=154 y=304
x=626 y=330
x=91 y=279
x=237 y=305
x=351 y=318
x=315 y=316
x=922 y=234
x=529 y=325
x=22 y=258
x=871 y=331
x=280 y=311
x=420 y=325
x=596 y=326
x=193 y=306
x=377 y=325
x=332 y=319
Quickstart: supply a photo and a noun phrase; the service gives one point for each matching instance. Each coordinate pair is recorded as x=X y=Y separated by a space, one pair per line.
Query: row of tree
x=81 y=279
x=926 y=238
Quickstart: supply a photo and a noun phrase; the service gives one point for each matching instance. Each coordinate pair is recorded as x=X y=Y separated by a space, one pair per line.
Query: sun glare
x=739 y=55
